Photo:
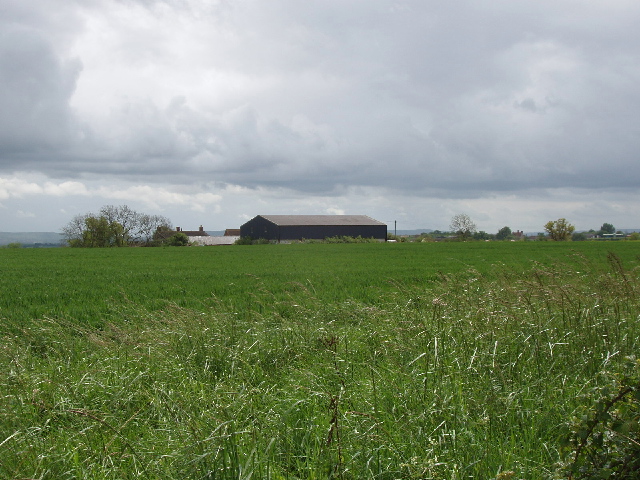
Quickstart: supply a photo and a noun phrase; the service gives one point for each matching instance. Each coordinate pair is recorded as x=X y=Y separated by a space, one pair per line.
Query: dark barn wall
x=260 y=227
x=297 y=232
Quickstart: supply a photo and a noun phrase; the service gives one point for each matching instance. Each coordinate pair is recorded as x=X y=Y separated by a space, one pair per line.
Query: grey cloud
x=449 y=99
x=35 y=88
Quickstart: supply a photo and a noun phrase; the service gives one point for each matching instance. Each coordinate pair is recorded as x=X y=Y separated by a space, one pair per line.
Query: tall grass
x=466 y=375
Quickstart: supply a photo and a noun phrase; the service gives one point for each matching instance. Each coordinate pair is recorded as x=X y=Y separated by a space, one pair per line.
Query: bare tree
x=149 y=224
x=126 y=217
x=463 y=226
x=73 y=231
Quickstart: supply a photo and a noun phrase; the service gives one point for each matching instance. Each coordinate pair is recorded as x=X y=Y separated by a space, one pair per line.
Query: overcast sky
x=210 y=112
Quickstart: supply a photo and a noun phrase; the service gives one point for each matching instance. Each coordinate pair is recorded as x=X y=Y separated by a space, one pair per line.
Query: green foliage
x=503 y=234
x=604 y=438
x=251 y=241
x=178 y=239
x=482 y=235
x=559 y=230
x=244 y=241
x=349 y=239
x=607 y=228
x=397 y=238
x=99 y=232
x=113 y=227
x=578 y=237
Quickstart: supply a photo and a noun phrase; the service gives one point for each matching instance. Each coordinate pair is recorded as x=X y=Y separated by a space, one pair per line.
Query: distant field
x=30 y=238
x=87 y=285
x=348 y=361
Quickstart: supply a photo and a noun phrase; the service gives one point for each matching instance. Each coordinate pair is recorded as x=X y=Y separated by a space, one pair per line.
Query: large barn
x=297 y=227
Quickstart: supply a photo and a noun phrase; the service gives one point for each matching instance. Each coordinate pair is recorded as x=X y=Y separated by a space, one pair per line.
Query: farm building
x=297 y=227
x=194 y=236
x=202 y=238
x=193 y=233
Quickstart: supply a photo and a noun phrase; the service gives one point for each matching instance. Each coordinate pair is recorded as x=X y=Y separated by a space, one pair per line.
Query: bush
x=251 y=241
x=348 y=239
x=180 y=239
x=578 y=236
x=604 y=440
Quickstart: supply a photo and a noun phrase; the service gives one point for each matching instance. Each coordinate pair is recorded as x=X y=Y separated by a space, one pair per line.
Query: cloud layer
x=455 y=104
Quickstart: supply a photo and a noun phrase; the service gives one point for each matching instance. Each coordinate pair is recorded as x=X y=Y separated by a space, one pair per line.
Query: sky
x=210 y=112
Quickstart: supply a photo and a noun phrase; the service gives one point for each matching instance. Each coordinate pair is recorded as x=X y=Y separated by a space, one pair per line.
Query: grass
x=89 y=285
x=464 y=361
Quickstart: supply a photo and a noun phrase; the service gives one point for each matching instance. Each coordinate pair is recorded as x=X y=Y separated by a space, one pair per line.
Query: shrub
x=349 y=239
x=180 y=239
x=251 y=241
x=604 y=440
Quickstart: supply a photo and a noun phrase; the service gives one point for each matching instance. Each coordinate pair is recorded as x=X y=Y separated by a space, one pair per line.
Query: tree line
x=117 y=227
x=121 y=226
x=462 y=228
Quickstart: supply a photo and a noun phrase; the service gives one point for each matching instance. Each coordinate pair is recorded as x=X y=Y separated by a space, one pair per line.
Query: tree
x=72 y=231
x=482 y=235
x=463 y=226
x=100 y=232
x=148 y=225
x=607 y=228
x=114 y=226
x=578 y=237
x=559 y=230
x=503 y=234
x=127 y=218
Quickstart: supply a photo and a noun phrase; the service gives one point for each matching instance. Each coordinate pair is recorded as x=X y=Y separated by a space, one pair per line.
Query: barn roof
x=289 y=220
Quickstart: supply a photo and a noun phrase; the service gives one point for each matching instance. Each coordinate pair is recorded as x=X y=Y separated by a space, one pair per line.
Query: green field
x=90 y=285
x=429 y=360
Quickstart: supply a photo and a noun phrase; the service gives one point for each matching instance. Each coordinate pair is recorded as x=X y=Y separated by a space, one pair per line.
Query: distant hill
x=410 y=232
x=30 y=239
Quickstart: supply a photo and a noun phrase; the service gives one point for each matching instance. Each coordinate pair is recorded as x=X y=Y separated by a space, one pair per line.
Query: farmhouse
x=193 y=233
x=297 y=227
x=195 y=236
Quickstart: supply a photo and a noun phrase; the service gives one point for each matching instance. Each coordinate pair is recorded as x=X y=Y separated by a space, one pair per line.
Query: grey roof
x=332 y=220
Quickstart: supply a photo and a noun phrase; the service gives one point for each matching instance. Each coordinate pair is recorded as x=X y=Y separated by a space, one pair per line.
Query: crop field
x=308 y=361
